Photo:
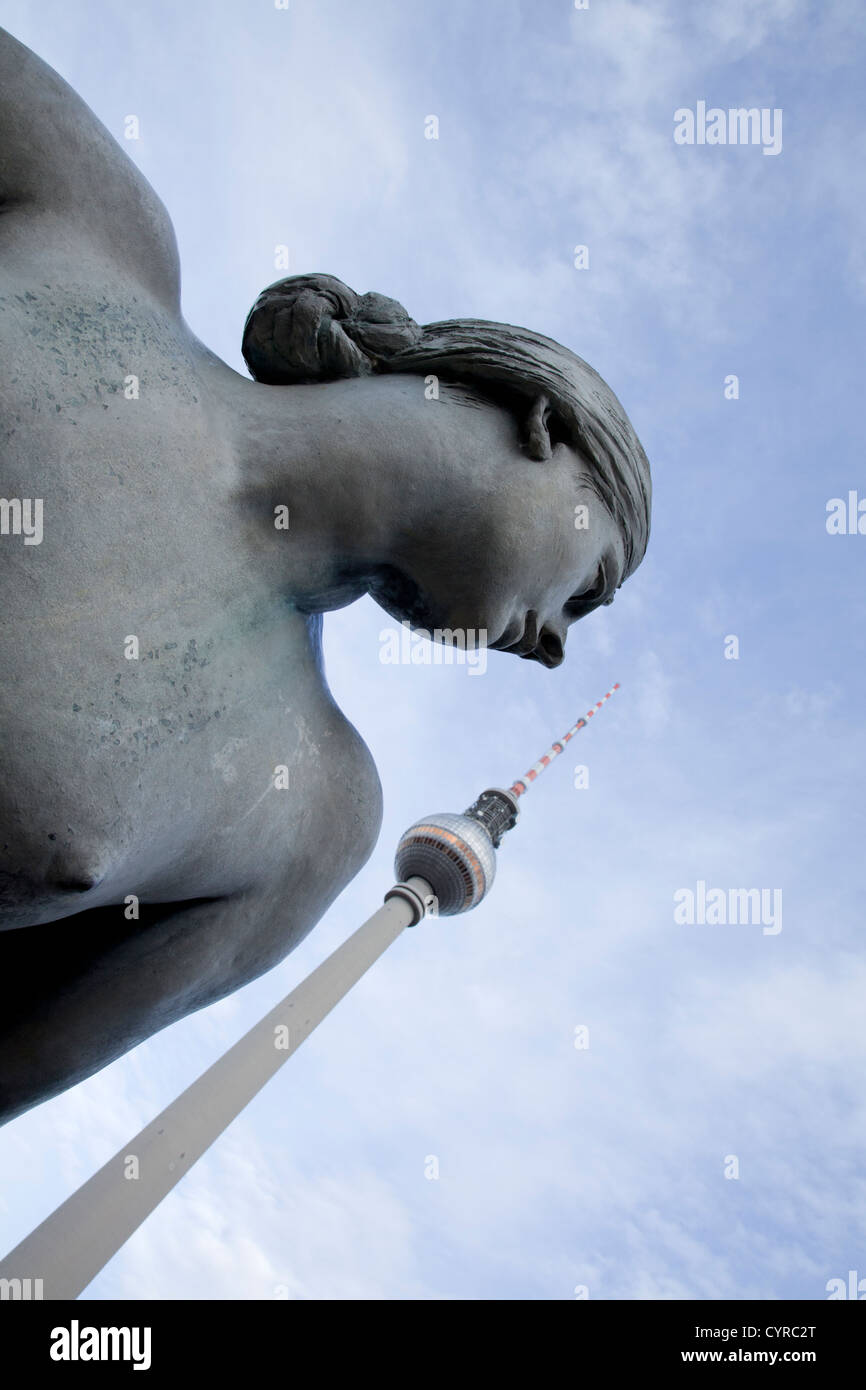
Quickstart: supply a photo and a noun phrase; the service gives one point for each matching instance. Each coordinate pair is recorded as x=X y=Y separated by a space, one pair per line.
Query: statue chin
x=401 y=597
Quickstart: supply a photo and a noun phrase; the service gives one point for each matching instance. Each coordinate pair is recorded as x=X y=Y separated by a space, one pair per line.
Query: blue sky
x=603 y=1167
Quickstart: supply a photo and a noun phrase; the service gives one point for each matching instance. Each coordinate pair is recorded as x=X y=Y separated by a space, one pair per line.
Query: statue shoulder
x=64 y=176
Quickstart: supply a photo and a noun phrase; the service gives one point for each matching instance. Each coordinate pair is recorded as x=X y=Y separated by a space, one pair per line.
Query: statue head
x=314 y=329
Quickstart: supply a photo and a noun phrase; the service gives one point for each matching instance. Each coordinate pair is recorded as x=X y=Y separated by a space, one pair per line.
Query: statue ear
x=537 y=437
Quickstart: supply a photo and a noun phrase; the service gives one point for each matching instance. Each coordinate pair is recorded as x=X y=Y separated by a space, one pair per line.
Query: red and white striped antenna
x=519 y=787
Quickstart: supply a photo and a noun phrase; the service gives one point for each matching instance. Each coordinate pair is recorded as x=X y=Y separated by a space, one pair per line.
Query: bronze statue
x=172 y=759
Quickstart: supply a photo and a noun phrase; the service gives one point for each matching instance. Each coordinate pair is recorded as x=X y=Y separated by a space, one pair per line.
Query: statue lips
x=526 y=643
x=509 y=636
x=543 y=658
x=516 y=641
x=528 y=646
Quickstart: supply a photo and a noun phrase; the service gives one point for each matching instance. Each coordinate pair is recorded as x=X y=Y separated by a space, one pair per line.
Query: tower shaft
x=71 y=1246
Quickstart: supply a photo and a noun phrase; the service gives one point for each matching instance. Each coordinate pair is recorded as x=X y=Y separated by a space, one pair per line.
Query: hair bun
x=314 y=328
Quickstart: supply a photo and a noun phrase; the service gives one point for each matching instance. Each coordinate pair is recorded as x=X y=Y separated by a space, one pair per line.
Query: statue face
x=517 y=547
x=571 y=561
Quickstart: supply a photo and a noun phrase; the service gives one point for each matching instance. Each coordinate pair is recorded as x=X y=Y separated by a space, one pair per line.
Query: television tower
x=445 y=865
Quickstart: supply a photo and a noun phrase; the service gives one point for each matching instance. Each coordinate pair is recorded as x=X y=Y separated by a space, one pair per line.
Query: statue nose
x=549 y=649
